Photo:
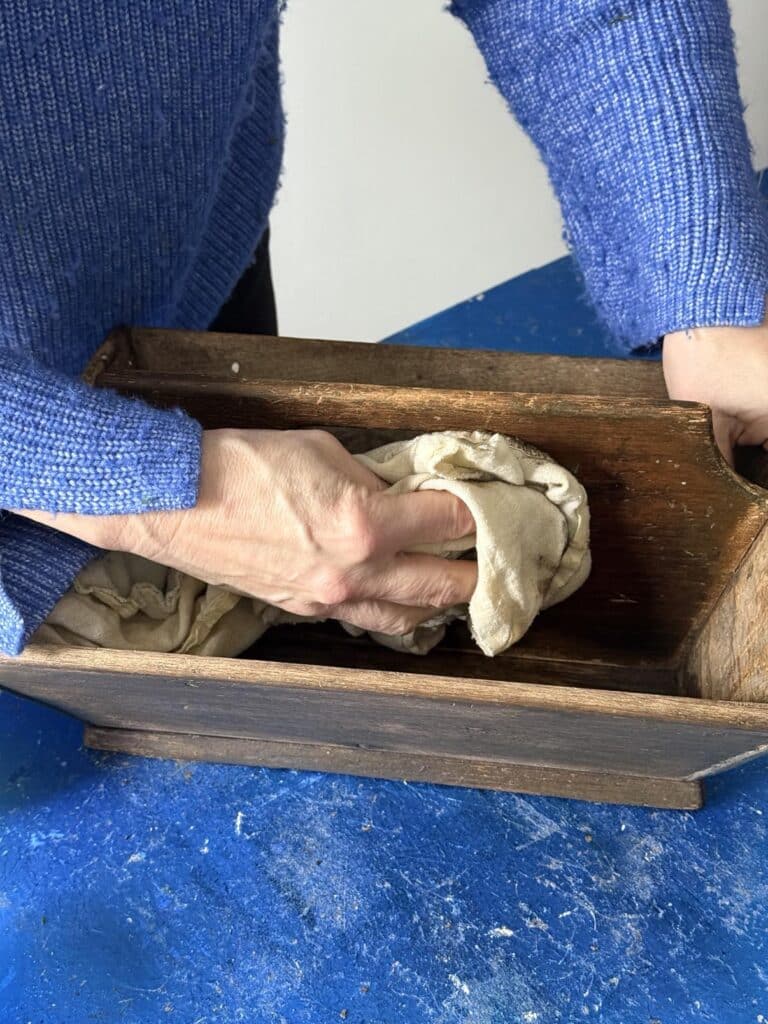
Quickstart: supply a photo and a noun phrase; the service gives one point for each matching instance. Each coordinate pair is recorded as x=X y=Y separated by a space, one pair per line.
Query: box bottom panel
x=604 y=787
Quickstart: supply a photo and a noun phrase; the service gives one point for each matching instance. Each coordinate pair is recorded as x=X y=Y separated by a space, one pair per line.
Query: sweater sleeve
x=66 y=447
x=635 y=108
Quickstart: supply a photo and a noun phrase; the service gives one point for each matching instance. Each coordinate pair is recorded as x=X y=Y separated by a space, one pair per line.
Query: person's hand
x=726 y=368
x=292 y=518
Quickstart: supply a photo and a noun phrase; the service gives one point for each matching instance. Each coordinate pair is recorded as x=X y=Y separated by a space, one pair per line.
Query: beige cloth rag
x=532 y=543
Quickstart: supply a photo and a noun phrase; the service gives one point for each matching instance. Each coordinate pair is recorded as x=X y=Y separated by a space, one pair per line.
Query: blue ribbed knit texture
x=42 y=563
x=141 y=151
x=635 y=108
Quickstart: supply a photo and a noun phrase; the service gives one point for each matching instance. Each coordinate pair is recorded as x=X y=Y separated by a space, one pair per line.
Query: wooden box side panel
x=510 y=723
x=728 y=658
x=257 y=357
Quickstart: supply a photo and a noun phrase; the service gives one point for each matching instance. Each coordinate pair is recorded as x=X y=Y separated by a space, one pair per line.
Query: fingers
x=405 y=581
x=402 y=521
x=382 y=616
x=420 y=581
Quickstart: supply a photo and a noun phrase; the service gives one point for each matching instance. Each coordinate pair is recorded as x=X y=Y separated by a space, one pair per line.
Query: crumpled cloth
x=531 y=540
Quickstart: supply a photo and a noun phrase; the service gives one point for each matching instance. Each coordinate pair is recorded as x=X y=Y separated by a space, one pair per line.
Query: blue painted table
x=138 y=891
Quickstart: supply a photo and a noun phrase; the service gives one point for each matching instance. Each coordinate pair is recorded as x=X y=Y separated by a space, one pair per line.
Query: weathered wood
x=670 y=520
x=257 y=357
x=328 y=644
x=505 y=722
x=671 y=526
x=728 y=659
x=227 y=357
x=606 y=787
x=47 y=661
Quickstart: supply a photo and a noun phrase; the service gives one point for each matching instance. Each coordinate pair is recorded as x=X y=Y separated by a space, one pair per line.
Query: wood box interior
x=671 y=522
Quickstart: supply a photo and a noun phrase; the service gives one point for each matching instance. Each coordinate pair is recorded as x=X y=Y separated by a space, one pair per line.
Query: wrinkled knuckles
x=331 y=587
x=357 y=531
x=445 y=593
x=310 y=609
x=398 y=625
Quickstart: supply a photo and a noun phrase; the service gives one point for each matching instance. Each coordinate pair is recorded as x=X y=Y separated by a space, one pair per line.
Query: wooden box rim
x=251 y=671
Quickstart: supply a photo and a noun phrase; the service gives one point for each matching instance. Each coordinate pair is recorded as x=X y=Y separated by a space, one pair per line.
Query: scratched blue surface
x=542 y=311
x=141 y=891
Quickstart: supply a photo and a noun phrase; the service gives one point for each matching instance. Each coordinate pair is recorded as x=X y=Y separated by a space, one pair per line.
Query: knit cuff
x=37 y=565
x=636 y=111
x=66 y=447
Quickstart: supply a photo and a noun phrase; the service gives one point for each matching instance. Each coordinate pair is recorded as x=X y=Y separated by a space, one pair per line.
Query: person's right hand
x=292 y=518
x=726 y=368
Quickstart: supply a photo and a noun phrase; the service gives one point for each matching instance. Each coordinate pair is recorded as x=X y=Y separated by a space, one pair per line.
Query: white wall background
x=407 y=184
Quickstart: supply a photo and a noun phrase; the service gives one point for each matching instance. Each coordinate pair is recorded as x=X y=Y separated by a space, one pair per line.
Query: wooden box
x=634 y=690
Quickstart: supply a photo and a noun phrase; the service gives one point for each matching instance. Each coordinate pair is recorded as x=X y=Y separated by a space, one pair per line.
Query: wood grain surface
x=605 y=787
x=670 y=520
x=728 y=659
x=518 y=723
x=673 y=604
x=258 y=357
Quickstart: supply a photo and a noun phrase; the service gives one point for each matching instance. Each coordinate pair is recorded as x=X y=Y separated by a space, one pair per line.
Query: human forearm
x=294 y=519
x=725 y=368
x=64 y=448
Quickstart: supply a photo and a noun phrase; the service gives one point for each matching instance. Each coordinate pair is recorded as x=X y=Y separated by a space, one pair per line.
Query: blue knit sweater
x=141 y=151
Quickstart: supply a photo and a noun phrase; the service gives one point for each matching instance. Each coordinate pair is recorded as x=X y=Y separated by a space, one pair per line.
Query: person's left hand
x=726 y=368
